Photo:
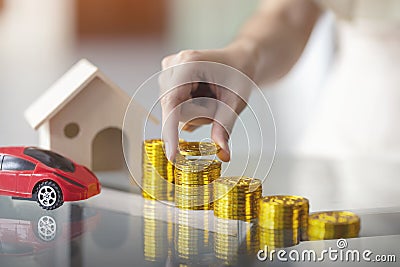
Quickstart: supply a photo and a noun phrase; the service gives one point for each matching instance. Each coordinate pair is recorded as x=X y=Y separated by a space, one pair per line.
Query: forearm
x=275 y=36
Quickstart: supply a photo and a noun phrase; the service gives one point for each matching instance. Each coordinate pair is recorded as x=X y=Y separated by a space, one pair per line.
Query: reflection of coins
x=333 y=225
x=237 y=198
x=193 y=179
x=283 y=220
x=158 y=178
x=156 y=233
x=234 y=239
x=278 y=238
x=192 y=237
x=198 y=148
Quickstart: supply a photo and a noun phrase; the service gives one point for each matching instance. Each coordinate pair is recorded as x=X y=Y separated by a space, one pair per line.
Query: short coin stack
x=237 y=198
x=280 y=220
x=158 y=179
x=193 y=178
x=333 y=225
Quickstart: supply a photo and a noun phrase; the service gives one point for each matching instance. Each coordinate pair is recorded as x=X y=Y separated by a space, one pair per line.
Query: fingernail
x=225 y=147
x=228 y=150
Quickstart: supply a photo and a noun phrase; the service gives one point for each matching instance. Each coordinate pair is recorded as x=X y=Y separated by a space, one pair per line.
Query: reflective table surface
x=118 y=228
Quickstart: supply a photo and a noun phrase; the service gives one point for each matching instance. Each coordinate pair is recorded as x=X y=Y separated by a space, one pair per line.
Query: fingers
x=221 y=129
x=221 y=137
x=200 y=88
x=190 y=128
x=228 y=110
x=171 y=110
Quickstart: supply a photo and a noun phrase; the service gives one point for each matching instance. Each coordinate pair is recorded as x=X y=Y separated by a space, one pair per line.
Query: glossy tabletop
x=120 y=228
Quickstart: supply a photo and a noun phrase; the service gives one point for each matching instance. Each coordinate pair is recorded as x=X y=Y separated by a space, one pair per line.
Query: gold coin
x=198 y=148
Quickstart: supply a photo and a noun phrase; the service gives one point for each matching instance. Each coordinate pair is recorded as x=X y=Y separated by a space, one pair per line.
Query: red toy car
x=47 y=177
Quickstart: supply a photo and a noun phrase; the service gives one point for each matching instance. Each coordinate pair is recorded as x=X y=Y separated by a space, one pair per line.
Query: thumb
x=221 y=137
x=224 y=120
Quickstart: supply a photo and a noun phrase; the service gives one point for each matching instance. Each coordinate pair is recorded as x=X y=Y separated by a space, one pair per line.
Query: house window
x=71 y=130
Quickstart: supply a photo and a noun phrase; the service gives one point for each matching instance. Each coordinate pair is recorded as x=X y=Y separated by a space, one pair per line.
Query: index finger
x=171 y=110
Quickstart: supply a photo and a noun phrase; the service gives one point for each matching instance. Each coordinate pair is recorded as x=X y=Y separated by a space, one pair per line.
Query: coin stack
x=280 y=220
x=333 y=225
x=193 y=183
x=234 y=239
x=237 y=198
x=158 y=178
x=155 y=232
x=194 y=175
x=192 y=237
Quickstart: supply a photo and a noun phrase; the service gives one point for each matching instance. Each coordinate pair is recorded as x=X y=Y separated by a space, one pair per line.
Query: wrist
x=244 y=54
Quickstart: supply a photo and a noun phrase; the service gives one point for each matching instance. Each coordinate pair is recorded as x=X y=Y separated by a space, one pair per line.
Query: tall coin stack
x=194 y=175
x=158 y=178
x=237 y=198
x=193 y=178
x=333 y=225
x=280 y=220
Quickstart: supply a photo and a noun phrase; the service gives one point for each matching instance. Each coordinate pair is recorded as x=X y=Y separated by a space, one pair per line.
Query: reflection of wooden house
x=81 y=117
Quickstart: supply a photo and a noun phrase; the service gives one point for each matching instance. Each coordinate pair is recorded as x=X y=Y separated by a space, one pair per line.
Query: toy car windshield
x=50 y=159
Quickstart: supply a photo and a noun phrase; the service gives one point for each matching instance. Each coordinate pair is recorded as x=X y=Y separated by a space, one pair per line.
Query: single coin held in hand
x=198 y=148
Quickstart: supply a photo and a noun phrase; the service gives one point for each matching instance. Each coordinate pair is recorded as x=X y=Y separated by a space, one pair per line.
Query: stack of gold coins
x=234 y=239
x=156 y=235
x=333 y=225
x=158 y=175
x=193 y=183
x=192 y=236
x=280 y=220
x=237 y=198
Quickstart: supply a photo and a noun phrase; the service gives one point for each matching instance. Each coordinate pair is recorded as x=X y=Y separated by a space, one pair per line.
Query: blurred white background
x=39 y=43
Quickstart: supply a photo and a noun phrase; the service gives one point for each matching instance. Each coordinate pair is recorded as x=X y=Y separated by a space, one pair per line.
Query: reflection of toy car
x=44 y=176
x=27 y=236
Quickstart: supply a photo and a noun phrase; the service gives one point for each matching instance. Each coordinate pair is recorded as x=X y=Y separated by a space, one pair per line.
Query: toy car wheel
x=49 y=195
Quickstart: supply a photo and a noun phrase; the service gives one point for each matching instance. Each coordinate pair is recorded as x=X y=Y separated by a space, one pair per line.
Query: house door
x=107 y=150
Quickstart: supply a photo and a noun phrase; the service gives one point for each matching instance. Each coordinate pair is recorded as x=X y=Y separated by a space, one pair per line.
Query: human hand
x=193 y=93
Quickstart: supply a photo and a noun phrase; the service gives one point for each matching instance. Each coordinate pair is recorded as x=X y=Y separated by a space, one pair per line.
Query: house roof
x=65 y=89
